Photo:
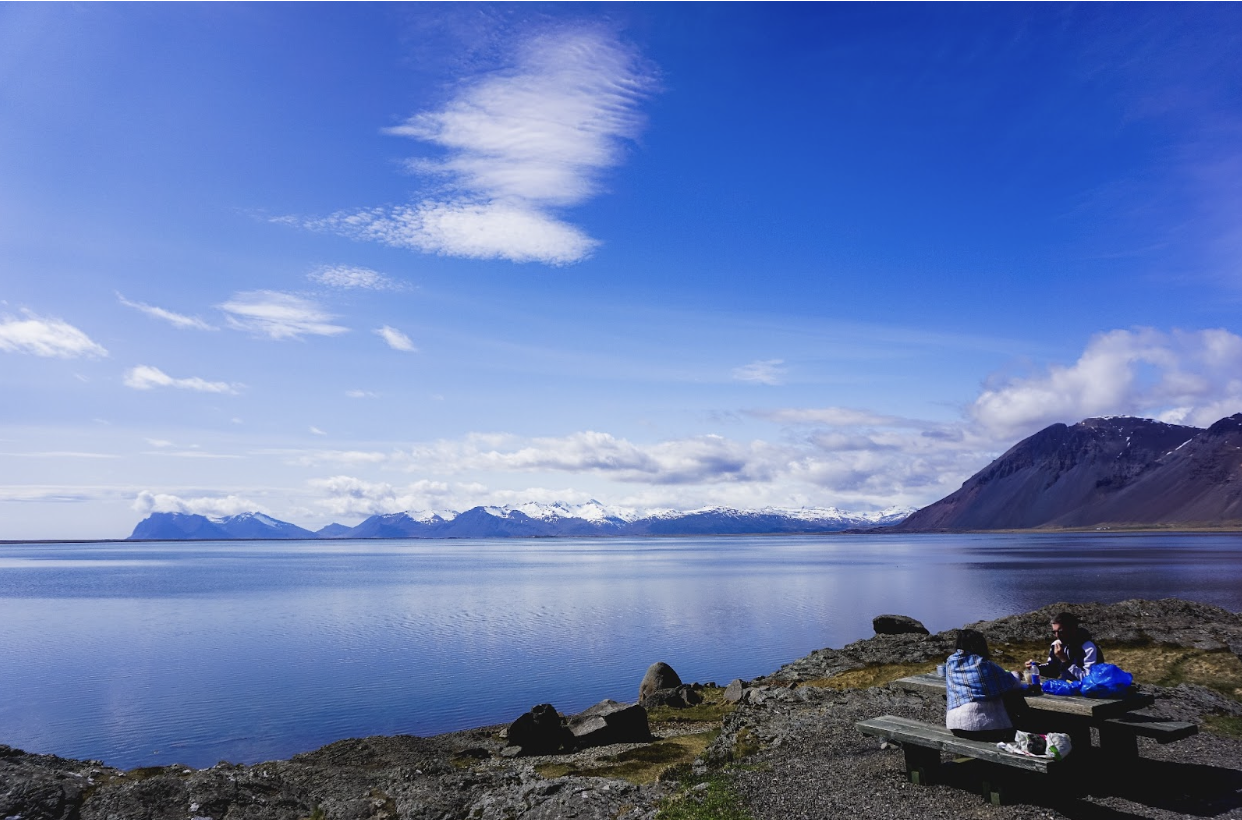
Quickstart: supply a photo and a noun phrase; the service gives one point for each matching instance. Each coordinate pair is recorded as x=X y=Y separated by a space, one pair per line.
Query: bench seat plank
x=916 y=732
x=1163 y=731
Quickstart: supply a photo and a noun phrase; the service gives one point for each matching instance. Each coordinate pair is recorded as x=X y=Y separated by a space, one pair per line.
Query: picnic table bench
x=1075 y=715
x=922 y=744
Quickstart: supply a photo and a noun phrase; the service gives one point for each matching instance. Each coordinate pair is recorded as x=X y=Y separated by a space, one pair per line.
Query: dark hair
x=972 y=642
x=1068 y=619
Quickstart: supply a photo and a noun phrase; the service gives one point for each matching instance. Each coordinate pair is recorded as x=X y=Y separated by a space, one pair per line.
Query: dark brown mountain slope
x=1101 y=471
x=1200 y=483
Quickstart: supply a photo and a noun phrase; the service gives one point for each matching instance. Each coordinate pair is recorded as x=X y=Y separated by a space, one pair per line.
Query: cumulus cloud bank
x=349 y=496
x=518 y=145
x=1186 y=377
x=51 y=338
x=145 y=377
x=279 y=315
x=148 y=502
x=843 y=455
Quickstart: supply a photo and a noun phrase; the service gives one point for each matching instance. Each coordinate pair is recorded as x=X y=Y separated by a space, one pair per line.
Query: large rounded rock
x=897 y=625
x=659 y=676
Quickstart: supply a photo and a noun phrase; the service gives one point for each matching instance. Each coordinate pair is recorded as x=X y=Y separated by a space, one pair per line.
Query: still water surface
x=146 y=654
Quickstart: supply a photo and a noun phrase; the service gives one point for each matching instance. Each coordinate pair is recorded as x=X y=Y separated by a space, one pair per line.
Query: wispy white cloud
x=52 y=338
x=145 y=377
x=279 y=315
x=316 y=431
x=175 y=319
x=361 y=394
x=832 y=417
x=62 y=454
x=346 y=277
x=396 y=339
x=148 y=502
x=767 y=371
x=465 y=228
x=203 y=454
x=44 y=494
x=1179 y=376
x=314 y=458
x=518 y=145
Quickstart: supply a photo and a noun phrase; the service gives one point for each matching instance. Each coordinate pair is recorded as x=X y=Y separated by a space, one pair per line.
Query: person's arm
x=1051 y=668
x=1090 y=655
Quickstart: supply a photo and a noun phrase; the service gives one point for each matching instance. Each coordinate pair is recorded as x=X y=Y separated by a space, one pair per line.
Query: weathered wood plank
x=1163 y=731
x=925 y=684
x=905 y=730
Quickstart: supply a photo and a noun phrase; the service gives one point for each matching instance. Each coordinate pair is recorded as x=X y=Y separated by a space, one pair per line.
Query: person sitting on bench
x=983 y=698
x=1072 y=654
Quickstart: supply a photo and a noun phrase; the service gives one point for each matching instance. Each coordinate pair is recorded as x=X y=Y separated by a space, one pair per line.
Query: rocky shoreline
x=785 y=749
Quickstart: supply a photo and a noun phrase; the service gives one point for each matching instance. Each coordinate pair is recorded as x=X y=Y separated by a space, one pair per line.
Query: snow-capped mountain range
x=524 y=520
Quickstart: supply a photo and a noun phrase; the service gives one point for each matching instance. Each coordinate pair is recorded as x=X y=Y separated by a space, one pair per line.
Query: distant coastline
x=1129 y=529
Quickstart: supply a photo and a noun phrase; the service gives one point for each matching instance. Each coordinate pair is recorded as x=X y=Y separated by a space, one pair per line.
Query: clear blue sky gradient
x=329 y=260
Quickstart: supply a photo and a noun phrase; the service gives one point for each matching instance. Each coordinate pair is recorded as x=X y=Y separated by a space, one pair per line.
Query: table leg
x=922 y=764
x=1118 y=744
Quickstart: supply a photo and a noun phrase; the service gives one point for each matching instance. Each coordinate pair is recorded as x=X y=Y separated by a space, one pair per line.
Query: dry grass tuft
x=870 y=676
x=711 y=710
x=643 y=764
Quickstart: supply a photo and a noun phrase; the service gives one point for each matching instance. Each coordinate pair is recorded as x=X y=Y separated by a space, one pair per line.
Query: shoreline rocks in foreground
x=805 y=759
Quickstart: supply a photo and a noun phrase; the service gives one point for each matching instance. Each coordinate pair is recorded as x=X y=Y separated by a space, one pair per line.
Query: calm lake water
x=145 y=654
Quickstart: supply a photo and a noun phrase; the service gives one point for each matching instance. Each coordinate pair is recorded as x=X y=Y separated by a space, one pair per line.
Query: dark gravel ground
x=816 y=765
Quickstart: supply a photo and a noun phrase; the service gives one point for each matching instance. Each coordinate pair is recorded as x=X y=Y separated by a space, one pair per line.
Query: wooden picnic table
x=1076 y=705
x=1076 y=715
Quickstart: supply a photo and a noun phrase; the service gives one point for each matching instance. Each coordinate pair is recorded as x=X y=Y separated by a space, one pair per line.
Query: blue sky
x=331 y=260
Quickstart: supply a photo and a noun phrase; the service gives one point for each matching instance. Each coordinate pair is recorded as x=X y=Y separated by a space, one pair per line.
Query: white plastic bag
x=1058 y=745
x=1054 y=745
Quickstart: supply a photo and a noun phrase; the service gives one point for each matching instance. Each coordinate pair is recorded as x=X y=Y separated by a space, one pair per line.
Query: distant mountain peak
x=531 y=519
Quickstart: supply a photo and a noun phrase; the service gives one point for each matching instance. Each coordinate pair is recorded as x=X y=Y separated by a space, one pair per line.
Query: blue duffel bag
x=1104 y=680
x=1061 y=687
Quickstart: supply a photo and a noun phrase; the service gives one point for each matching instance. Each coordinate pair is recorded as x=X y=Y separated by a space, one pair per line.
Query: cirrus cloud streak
x=145 y=377
x=279 y=315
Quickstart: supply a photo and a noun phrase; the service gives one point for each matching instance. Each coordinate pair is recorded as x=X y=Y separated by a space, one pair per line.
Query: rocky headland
x=1106 y=473
x=781 y=746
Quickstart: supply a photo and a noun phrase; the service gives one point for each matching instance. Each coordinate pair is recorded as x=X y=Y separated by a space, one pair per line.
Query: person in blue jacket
x=983 y=699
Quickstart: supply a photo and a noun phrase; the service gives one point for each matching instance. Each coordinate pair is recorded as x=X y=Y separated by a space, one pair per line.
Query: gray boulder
x=734 y=691
x=541 y=731
x=610 y=722
x=897 y=625
x=659 y=676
